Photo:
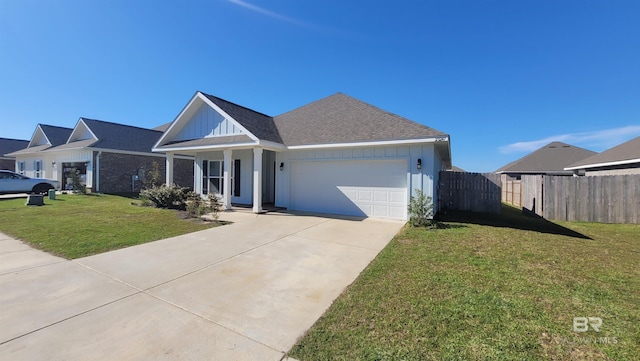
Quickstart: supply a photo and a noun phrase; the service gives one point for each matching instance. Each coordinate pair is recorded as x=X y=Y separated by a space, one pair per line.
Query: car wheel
x=41 y=188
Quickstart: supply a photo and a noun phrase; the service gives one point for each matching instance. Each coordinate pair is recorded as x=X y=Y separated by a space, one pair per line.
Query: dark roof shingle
x=551 y=159
x=122 y=137
x=340 y=118
x=626 y=151
x=56 y=135
x=258 y=124
x=8 y=145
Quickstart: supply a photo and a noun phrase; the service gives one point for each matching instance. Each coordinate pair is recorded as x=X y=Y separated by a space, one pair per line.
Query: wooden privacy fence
x=512 y=192
x=476 y=192
x=605 y=199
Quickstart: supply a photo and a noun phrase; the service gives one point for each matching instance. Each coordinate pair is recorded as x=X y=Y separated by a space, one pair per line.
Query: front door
x=71 y=171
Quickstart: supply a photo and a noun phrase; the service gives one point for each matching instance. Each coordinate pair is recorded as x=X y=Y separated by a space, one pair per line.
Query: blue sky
x=502 y=77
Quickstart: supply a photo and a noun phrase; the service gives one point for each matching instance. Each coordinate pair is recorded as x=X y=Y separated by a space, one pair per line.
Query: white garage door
x=373 y=188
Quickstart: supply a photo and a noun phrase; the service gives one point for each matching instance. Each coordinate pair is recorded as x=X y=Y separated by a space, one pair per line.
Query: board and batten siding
x=54 y=172
x=246 y=172
x=425 y=178
x=207 y=122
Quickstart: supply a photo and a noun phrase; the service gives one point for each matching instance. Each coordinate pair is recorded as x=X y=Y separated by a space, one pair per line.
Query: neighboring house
x=622 y=159
x=336 y=155
x=9 y=146
x=30 y=161
x=110 y=157
x=548 y=160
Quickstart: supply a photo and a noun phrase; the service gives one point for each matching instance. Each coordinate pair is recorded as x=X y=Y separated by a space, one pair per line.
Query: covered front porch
x=242 y=177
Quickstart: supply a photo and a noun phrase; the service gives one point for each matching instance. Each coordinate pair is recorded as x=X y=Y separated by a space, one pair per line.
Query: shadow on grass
x=510 y=218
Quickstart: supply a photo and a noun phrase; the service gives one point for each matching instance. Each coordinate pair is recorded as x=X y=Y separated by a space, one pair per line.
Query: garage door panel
x=361 y=188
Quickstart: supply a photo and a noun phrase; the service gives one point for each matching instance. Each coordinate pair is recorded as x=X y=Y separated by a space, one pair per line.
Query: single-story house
x=110 y=157
x=29 y=161
x=336 y=155
x=7 y=146
x=548 y=160
x=621 y=159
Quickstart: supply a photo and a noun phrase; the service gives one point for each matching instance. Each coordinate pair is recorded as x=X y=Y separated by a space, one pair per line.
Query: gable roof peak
x=215 y=99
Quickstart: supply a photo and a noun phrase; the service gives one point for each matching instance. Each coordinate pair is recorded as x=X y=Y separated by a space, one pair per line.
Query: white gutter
x=606 y=164
x=375 y=143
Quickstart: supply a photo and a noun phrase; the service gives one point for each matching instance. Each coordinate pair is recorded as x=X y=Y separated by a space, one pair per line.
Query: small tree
x=153 y=178
x=215 y=206
x=421 y=209
x=76 y=182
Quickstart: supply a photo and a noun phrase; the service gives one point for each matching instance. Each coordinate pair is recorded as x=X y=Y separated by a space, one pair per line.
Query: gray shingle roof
x=8 y=145
x=56 y=135
x=550 y=159
x=340 y=118
x=122 y=137
x=258 y=124
x=629 y=150
x=163 y=127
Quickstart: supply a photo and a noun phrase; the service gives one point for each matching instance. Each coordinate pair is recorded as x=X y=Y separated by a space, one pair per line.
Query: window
x=37 y=169
x=21 y=167
x=213 y=177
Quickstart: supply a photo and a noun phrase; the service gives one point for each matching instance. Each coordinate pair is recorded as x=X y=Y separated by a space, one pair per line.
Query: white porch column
x=257 y=180
x=226 y=180
x=169 y=171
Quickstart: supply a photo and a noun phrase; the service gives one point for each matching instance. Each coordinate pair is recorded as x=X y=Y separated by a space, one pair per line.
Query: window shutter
x=236 y=178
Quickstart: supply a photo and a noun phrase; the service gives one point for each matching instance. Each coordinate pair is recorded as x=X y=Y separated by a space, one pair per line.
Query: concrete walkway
x=245 y=291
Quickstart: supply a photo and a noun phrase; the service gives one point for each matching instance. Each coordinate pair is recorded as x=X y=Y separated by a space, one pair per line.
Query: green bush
x=196 y=206
x=214 y=205
x=421 y=210
x=173 y=197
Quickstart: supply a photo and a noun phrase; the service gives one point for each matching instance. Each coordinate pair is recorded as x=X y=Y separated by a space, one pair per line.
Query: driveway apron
x=244 y=291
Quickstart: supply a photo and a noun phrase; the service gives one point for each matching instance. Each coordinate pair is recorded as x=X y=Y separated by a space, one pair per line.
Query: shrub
x=196 y=206
x=421 y=210
x=173 y=197
x=214 y=205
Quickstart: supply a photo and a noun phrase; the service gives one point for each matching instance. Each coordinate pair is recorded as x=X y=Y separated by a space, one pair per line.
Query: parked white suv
x=11 y=182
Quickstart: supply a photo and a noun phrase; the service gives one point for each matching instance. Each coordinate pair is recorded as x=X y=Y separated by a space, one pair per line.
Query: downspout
x=97 y=172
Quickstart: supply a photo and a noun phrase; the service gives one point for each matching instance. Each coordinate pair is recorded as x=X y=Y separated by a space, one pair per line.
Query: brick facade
x=116 y=171
x=183 y=172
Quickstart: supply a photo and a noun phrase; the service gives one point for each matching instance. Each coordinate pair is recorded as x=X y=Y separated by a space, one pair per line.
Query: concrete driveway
x=245 y=291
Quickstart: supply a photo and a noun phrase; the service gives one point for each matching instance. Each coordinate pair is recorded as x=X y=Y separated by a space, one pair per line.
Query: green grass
x=489 y=287
x=74 y=226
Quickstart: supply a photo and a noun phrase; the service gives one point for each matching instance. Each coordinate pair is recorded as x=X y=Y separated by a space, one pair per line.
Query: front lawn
x=74 y=226
x=501 y=287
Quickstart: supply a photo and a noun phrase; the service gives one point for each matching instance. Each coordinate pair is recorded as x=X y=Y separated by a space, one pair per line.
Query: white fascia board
x=39 y=130
x=605 y=164
x=272 y=145
x=373 y=143
x=176 y=120
x=227 y=116
x=115 y=151
x=75 y=129
x=205 y=147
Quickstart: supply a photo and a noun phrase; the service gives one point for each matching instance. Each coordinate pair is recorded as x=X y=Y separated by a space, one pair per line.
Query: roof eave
x=435 y=139
x=604 y=164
